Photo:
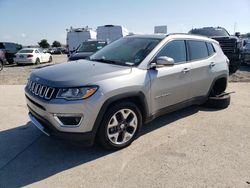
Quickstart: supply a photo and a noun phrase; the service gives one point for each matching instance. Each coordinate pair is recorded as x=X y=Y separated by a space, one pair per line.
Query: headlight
x=76 y=93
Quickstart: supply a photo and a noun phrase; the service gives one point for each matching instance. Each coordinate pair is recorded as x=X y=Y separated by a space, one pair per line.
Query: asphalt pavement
x=193 y=147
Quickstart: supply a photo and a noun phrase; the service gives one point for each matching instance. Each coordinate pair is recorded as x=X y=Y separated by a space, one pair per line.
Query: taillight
x=30 y=55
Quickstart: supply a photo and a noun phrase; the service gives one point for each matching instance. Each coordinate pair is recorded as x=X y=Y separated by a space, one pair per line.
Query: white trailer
x=111 y=33
x=162 y=29
x=75 y=36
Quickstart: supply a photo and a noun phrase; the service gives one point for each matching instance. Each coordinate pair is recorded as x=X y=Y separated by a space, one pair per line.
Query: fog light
x=68 y=120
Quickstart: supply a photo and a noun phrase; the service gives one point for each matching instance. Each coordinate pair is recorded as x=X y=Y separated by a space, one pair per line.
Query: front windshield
x=247 y=46
x=91 y=46
x=128 y=51
x=210 y=32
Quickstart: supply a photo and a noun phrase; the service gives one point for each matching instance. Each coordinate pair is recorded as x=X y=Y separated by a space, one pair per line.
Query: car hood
x=225 y=37
x=80 y=55
x=77 y=73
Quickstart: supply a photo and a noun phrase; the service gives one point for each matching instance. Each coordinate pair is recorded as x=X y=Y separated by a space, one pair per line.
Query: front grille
x=227 y=45
x=40 y=90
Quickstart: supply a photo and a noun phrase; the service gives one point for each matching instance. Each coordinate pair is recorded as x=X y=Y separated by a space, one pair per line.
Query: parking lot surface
x=193 y=147
x=18 y=74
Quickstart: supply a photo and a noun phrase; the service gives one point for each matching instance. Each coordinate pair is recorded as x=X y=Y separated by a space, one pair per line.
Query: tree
x=56 y=44
x=247 y=35
x=43 y=43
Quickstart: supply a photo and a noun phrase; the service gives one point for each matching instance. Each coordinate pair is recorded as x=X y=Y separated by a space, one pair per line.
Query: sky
x=28 y=21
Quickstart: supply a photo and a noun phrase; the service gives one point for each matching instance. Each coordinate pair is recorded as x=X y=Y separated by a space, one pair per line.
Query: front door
x=171 y=84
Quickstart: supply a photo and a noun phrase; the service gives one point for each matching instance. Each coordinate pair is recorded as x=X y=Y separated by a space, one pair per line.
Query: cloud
x=23 y=35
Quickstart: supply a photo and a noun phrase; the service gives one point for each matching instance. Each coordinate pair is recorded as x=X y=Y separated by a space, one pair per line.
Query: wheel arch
x=219 y=83
x=138 y=98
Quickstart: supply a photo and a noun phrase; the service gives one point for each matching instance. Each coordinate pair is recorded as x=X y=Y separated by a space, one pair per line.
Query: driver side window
x=175 y=49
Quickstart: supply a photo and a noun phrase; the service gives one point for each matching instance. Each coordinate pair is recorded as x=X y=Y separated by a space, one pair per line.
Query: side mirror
x=237 y=34
x=165 y=61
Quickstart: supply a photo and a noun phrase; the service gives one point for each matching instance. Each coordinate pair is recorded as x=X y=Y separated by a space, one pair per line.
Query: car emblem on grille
x=37 y=79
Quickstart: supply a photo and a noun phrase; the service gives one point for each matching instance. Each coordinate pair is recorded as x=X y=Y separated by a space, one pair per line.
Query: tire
x=1 y=65
x=115 y=126
x=37 y=61
x=11 y=61
x=218 y=102
x=50 y=59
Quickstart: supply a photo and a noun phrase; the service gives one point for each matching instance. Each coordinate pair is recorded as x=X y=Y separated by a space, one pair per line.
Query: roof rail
x=187 y=34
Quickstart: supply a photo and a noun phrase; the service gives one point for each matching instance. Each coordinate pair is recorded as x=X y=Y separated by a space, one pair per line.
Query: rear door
x=202 y=61
x=170 y=85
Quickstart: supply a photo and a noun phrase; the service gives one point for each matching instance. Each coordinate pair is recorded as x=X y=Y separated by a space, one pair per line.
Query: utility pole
x=235 y=27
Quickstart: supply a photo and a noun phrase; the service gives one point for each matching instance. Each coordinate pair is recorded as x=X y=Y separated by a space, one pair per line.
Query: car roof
x=173 y=35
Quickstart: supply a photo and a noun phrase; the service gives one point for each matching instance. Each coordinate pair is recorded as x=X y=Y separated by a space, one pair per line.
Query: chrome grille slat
x=49 y=93
x=40 y=90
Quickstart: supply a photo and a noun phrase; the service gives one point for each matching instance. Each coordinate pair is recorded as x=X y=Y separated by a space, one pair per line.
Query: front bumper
x=49 y=130
x=42 y=114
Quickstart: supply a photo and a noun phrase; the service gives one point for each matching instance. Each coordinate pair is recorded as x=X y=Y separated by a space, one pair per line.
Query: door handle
x=212 y=64
x=185 y=70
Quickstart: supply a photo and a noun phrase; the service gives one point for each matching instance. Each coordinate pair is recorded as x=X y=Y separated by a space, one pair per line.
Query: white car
x=32 y=55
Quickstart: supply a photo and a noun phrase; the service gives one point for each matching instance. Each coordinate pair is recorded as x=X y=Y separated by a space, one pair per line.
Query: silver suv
x=124 y=85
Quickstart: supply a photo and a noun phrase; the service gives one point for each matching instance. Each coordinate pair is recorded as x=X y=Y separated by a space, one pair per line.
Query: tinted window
x=10 y=45
x=210 y=48
x=25 y=51
x=90 y=46
x=210 y=31
x=198 y=50
x=247 y=46
x=176 y=50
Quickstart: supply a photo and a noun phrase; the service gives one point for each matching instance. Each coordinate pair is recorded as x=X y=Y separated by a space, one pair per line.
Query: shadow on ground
x=27 y=156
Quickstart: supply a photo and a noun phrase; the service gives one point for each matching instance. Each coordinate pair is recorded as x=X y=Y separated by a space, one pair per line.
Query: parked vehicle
x=111 y=33
x=63 y=50
x=55 y=50
x=86 y=49
x=230 y=45
x=129 y=82
x=2 y=59
x=245 y=52
x=75 y=36
x=32 y=56
x=10 y=49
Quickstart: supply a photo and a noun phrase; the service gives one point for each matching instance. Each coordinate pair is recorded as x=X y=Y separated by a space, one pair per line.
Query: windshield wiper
x=106 y=61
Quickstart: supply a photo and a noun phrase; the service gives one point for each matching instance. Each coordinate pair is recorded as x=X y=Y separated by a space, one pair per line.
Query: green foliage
x=247 y=35
x=43 y=43
x=56 y=44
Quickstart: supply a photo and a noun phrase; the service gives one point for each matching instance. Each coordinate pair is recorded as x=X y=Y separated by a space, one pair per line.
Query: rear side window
x=210 y=49
x=197 y=50
x=175 y=49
